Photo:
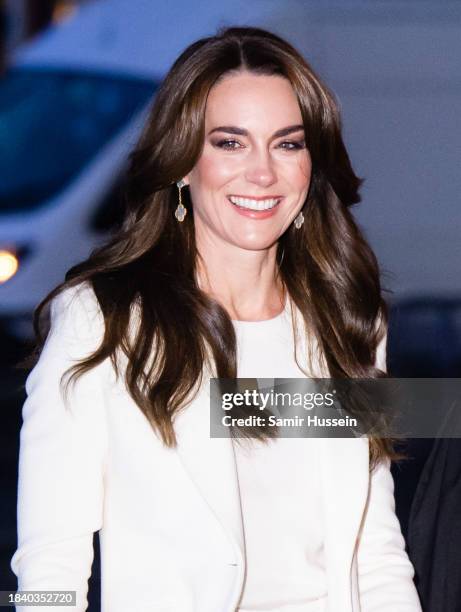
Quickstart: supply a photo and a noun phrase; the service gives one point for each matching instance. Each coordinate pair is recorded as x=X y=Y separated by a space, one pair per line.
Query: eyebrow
x=231 y=129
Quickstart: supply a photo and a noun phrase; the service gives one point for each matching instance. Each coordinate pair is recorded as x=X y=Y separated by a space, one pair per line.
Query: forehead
x=245 y=99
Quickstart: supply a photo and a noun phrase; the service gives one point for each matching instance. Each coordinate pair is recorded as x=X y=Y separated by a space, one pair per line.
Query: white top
x=280 y=490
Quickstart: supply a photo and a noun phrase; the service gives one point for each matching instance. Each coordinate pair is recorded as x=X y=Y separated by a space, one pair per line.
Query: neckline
x=240 y=323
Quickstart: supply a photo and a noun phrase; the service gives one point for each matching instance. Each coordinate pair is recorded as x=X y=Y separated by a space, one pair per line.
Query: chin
x=255 y=245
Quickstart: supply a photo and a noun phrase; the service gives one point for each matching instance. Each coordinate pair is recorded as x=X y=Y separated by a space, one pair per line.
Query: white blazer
x=169 y=519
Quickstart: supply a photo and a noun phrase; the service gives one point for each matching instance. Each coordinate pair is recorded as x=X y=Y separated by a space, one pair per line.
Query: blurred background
x=76 y=81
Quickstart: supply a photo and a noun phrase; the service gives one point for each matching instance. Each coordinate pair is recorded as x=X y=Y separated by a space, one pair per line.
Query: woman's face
x=254 y=154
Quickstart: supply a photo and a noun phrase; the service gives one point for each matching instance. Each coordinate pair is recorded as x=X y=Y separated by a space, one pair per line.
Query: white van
x=67 y=125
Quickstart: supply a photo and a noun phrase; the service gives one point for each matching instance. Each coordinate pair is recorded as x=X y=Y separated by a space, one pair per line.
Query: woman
x=259 y=256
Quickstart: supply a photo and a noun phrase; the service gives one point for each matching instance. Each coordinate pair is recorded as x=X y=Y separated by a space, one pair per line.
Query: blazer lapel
x=345 y=488
x=210 y=463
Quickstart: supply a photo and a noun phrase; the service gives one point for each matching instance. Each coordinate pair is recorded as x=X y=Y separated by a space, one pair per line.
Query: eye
x=228 y=144
x=292 y=145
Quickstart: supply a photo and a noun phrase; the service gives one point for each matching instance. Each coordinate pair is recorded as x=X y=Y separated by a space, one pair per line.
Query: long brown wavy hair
x=327 y=269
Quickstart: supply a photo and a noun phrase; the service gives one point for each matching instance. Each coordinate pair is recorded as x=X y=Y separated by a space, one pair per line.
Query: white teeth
x=254 y=204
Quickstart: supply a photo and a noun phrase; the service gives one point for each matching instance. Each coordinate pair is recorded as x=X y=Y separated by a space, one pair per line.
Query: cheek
x=305 y=168
x=301 y=173
x=212 y=171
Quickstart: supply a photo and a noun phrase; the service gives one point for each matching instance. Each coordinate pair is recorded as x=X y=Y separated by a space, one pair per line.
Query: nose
x=260 y=168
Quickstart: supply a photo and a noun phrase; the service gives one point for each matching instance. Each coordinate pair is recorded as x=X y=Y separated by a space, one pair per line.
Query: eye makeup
x=229 y=144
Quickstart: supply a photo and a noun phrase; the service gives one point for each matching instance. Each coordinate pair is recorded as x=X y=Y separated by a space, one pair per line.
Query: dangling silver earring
x=299 y=220
x=181 y=210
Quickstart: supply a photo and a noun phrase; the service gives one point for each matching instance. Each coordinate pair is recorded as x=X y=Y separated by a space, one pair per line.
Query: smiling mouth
x=253 y=204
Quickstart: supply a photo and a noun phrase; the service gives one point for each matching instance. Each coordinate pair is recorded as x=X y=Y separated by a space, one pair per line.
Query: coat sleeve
x=63 y=445
x=385 y=573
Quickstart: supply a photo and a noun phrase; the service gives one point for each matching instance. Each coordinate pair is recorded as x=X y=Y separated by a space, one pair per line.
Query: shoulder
x=79 y=299
x=76 y=322
x=76 y=309
x=76 y=330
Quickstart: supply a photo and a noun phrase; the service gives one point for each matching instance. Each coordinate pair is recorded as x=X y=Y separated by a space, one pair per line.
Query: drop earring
x=299 y=220
x=181 y=210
